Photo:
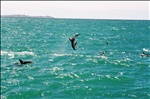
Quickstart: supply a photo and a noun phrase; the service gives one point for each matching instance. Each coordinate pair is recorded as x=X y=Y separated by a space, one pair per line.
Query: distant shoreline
x=24 y=16
x=50 y=17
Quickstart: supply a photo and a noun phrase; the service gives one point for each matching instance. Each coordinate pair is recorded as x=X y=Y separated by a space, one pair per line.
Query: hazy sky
x=79 y=9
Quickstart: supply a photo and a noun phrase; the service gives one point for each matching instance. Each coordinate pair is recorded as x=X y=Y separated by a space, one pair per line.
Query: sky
x=79 y=9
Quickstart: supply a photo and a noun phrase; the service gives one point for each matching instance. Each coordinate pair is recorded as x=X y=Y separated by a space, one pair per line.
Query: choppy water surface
x=59 y=72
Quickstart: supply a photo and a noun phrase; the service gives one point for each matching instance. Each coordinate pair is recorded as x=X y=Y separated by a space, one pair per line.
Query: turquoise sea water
x=59 y=72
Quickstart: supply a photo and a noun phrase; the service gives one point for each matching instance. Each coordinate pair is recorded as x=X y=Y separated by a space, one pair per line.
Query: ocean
x=108 y=62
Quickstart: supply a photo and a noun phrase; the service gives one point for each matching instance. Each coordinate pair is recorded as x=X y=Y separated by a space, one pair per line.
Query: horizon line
x=48 y=16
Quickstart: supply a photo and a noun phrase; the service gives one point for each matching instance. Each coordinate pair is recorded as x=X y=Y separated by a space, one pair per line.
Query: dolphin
x=107 y=43
x=24 y=62
x=145 y=54
x=73 y=41
x=103 y=53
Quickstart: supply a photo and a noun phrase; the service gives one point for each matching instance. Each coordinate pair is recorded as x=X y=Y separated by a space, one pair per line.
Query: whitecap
x=11 y=54
x=73 y=64
x=51 y=60
x=95 y=61
x=116 y=78
x=121 y=73
x=3 y=97
x=123 y=28
x=46 y=83
x=25 y=53
x=66 y=75
x=30 y=77
x=70 y=75
x=56 y=69
x=13 y=81
x=127 y=59
x=132 y=95
x=75 y=75
x=59 y=54
x=4 y=52
x=146 y=50
x=108 y=76
x=115 y=28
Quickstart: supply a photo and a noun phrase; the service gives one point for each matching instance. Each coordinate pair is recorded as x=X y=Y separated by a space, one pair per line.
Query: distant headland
x=24 y=16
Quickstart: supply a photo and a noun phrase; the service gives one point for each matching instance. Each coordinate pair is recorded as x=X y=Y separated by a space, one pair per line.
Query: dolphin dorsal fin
x=20 y=61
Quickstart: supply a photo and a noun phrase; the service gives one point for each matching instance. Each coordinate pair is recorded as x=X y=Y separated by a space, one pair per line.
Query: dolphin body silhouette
x=24 y=62
x=73 y=41
x=144 y=54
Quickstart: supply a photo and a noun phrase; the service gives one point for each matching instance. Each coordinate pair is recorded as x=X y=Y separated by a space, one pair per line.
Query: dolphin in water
x=103 y=53
x=73 y=41
x=145 y=54
x=24 y=62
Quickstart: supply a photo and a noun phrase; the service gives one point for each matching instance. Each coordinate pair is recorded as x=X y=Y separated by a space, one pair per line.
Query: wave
x=146 y=50
x=11 y=54
x=60 y=54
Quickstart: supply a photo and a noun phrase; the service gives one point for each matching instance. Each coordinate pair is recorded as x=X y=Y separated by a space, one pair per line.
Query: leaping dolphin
x=24 y=62
x=73 y=41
